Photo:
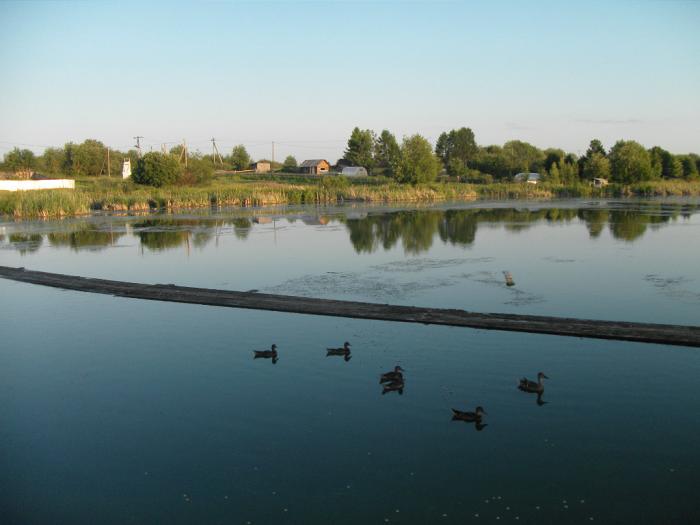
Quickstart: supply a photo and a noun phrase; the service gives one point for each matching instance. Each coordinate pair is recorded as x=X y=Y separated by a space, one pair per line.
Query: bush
x=198 y=171
x=157 y=169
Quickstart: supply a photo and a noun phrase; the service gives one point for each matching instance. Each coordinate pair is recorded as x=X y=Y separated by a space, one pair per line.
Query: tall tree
x=597 y=166
x=361 y=148
x=418 y=162
x=664 y=164
x=53 y=160
x=457 y=149
x=290 y=164
x=19 y=159
x=387 y=153
x=690 y=166
x=521 y=156
x=629 y=162
x=240 y=160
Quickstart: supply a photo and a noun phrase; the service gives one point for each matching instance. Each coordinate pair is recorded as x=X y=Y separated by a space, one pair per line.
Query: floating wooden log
x=625 y=331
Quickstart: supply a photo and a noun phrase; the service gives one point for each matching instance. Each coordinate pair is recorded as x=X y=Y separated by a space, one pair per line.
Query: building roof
x=260 y=162
x=353 y=170
x=312 y=162
x=528 y=176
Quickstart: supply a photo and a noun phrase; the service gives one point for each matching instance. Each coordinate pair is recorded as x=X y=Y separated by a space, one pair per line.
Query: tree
x=492 y=160
x=629 y=162
x=457 y=149
x=690 y=166
x=290 y=164
x=521 y=156
x=554 y=175
x=198 y=171
x=387 y=153
x=19 y=159
x=553 y=156
x=597 y=166
x=595 y=146
x=157 y=169
x=418 y=162
x=361 y=148
x=53 y=160
x=240 y=160
x=86 y=159
x=664 y=164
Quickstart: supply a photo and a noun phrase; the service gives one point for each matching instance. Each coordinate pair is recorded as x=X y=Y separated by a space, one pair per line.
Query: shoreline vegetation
x=456 y=168
x=100 y=194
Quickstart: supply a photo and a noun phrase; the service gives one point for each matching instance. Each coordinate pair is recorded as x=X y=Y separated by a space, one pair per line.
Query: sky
x=303 y=74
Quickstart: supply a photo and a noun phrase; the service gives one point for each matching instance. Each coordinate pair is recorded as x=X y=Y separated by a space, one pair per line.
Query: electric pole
x=273 y=154
x=138 y=144
x=109 y=171
x=215 y=152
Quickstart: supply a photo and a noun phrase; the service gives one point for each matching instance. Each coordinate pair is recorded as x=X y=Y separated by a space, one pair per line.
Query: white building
x=354 y=171
x=530 y=178
x=126 y=168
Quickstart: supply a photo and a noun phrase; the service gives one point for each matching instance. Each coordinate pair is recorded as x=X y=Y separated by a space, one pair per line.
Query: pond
x=116 y=410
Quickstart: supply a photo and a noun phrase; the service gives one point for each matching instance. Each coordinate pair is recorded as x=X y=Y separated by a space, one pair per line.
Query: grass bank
x=116 y=195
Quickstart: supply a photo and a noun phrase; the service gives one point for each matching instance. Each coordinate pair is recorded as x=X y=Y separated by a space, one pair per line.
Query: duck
x=394 y=386
x=469 y=417
x=531 y=386
x=344 y=350
x=396 y=375
x=266 y=354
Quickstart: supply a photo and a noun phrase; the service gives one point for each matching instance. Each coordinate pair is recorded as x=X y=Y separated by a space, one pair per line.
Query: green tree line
x=457 y=153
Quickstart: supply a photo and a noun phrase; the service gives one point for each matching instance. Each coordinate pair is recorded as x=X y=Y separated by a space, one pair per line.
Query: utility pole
x=183 y=152
x=138 y=144
x=273 y=154
x=109 y=170
x=163 y=149
x=215 y=152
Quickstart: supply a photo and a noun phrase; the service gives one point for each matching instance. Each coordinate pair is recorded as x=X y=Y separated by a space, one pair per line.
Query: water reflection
x=414 y=230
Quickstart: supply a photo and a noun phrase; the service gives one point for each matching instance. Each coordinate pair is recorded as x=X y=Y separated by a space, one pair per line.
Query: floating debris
x=509 y=279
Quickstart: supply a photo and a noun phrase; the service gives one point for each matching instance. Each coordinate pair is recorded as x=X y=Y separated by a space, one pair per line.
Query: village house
x=315 y=167
x=599 y=183
x=262 y=166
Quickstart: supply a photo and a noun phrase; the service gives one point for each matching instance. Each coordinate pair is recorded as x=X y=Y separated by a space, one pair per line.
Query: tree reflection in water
x=414 y=230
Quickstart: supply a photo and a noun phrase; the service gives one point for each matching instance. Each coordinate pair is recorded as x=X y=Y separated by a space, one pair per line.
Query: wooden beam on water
x=623 y=331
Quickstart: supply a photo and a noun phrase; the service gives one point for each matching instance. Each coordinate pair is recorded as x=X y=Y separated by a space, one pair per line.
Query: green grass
x=235 y=190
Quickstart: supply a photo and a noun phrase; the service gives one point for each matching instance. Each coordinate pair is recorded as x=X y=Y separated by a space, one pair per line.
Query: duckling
x=266 y=354
x=469 y=417
x=394 y=386
x=396 y=375
x=344 y=350
x=531 y=386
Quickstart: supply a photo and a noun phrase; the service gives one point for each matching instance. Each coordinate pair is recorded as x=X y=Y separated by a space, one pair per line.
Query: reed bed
x=109 y=195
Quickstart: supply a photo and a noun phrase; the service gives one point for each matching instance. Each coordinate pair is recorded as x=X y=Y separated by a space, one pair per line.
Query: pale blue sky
x=305 y=73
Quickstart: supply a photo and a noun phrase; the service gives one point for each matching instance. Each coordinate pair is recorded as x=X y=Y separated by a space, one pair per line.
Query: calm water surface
x=124 y=411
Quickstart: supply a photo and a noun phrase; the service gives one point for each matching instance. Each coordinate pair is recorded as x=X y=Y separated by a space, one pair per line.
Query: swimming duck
x=531 y=386
x=394 y=386
x=344 y=350
x=396 y=375
x=469 y=417
x=266 y=354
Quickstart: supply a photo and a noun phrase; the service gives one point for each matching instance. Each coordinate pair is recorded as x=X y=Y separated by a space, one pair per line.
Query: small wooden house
x=262 y=166
x=315 y=167
x=599 y=183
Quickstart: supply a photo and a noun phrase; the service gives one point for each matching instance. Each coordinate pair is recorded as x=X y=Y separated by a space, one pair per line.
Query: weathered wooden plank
x=625 y=331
